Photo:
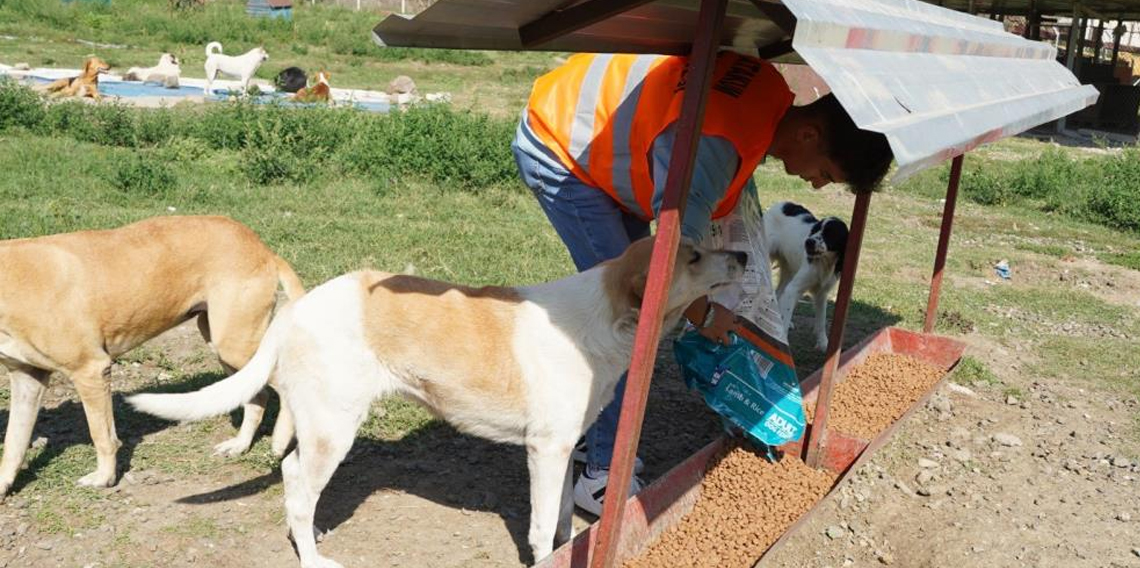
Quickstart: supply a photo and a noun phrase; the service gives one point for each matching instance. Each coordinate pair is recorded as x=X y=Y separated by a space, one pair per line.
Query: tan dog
x=530 y=366
x=316 y=93
x=72 y=303
x=85 y=85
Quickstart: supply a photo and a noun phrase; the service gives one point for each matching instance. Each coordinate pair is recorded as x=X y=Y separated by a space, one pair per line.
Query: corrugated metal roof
x=935 y=81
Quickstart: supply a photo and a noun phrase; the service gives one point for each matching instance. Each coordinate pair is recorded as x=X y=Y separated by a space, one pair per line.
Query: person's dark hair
x=863 y=155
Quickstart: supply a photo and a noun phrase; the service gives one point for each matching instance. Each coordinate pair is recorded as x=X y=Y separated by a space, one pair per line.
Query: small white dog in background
x=241 y=66
x=167 y=67
x=809 y=254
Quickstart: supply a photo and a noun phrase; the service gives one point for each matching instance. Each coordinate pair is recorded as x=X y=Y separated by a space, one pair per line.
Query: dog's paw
x=4 y=487
x=231 y=448
x=821 y=343
x=96 y=479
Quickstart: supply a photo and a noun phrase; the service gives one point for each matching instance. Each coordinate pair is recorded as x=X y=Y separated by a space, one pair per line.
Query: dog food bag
x=754 y=297
x=751 y=382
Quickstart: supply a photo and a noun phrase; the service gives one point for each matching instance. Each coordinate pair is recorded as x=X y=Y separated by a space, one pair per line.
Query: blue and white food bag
x=752 y=381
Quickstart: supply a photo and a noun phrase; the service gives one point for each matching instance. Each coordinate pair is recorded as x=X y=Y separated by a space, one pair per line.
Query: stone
x=884 y=557
x=1124 y=517
x=835 y=531
x=1011 y=400
x=925 y=463
x=45 y=545
x=1136 y=552
x=924 y=477
x=1121 y=461
x=402 y=85
x=962 y=456
x=1008 y=440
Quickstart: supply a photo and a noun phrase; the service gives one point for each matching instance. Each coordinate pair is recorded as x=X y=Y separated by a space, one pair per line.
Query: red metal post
x=818 y=431
x=943 y=244
x=660 y=277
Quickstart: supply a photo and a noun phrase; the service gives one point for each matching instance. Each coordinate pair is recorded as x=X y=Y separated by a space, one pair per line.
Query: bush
x=20 y=107
x=138 y=175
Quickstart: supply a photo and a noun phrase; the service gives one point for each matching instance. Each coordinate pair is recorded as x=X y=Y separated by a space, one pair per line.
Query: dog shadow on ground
x=435 y=461
x=65 y=426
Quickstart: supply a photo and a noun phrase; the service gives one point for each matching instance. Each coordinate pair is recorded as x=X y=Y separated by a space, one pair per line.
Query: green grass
x=320 y=36
x=971 y=371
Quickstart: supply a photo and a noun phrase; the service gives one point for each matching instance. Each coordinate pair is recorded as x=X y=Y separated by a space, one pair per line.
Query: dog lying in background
x=319 y=92
x=530 y=366
x=85 y=85
x=809 y=255
x=167 y=67
x=291 y=80
x=72 y=303
x=242 y=66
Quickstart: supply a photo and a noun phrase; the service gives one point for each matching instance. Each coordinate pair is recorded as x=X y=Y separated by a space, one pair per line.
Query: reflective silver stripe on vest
x=582 y=129
x=622 y=121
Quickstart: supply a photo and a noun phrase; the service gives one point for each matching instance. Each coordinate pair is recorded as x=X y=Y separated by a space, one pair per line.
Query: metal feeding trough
x=668 y=499
x=937 y=83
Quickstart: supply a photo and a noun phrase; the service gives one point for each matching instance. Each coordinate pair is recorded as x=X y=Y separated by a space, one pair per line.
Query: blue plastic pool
x=129 y=89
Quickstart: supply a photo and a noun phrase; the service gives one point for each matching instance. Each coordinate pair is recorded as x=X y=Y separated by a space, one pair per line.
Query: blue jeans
x=594 y=230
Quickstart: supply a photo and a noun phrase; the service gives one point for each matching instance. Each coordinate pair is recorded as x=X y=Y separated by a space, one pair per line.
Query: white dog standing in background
x=809 y=254
x=530 y=366
x=167 y=67
x=241 y=66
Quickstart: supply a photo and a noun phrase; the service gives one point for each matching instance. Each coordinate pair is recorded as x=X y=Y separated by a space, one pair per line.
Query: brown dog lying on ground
x=72 y=303
x=319 y=92
x=85 y=85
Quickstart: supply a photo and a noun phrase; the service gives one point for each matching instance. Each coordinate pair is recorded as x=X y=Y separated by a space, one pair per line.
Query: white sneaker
x=590 y=489
x=579 y=455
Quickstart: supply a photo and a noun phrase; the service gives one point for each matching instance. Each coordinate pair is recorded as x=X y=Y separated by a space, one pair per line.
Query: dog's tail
x=289 y=281
x=210 y=48
x=227 y=394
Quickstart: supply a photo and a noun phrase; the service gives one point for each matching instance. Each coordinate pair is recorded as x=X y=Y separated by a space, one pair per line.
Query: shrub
x=20 y=107
x=138 y=175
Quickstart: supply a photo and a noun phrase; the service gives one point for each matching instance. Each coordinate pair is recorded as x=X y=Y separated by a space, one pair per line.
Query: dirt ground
x=982 y=478
x=1025 y=473
x=434 y=498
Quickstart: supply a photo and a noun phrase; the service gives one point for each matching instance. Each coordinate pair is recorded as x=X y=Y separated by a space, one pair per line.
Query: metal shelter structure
x=936 y=82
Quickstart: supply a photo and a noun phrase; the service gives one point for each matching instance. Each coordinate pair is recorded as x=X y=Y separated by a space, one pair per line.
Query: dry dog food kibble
x=746 y=503
x=877 y=392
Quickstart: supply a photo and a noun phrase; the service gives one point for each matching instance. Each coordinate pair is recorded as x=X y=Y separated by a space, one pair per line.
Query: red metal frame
x=660 y=277
x=943 y=245
x=561 y=22
x=818 y=433
x=672 y=496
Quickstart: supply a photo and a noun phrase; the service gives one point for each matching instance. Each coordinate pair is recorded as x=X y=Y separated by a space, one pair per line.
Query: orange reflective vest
x=601 y=113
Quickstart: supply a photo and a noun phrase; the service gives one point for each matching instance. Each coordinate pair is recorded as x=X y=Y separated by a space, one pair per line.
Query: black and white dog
x=809 y=254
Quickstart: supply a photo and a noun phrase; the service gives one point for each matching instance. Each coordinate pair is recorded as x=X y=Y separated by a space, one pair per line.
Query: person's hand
x=722 y=321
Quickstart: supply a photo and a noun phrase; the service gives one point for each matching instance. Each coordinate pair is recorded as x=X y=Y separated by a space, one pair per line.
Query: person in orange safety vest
x=594 y=145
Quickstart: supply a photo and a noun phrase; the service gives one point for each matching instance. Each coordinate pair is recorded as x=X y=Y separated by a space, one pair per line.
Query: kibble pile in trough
x=877 y=392
x=746 y=503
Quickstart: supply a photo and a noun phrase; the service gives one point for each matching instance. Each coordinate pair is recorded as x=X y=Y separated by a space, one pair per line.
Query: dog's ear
x=636 y=289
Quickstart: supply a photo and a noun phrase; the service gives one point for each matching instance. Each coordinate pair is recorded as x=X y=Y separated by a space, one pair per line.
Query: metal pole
x=943 y=244
x=816 y=435
x=1070 y=53
x=698 y=77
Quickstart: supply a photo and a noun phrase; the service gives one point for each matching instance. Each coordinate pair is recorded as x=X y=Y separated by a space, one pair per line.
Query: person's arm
x=713 y=171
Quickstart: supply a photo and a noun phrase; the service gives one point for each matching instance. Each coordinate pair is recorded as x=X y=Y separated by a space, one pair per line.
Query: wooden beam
x=561 y=22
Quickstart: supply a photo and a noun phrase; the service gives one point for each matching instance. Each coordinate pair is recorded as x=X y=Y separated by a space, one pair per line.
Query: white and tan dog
x=530 y=366
x=242 y=66
x=167 y=67
x=72 y=303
